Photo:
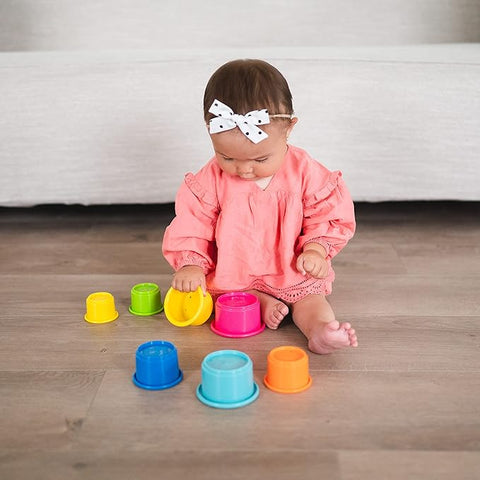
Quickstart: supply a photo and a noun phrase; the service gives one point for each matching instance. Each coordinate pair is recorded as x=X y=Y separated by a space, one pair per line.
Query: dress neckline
x=264 y=182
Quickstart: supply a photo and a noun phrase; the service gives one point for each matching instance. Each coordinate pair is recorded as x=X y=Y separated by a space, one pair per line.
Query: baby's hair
x=246 y=85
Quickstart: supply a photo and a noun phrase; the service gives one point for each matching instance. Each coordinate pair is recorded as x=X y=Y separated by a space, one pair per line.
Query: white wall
x=101 y=101
x=28 y=25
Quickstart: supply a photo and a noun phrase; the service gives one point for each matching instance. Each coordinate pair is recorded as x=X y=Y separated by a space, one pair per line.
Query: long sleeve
x=190 y=237
x=329 y=217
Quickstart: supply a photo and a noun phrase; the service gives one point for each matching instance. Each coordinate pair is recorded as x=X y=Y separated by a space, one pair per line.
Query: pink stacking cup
x=237 y=315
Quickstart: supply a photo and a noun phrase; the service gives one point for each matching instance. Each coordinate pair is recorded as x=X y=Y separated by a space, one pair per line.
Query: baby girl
x=262 y=216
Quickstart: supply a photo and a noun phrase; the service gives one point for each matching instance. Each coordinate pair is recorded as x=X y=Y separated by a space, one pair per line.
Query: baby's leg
x=314 y=316
x=273 y=310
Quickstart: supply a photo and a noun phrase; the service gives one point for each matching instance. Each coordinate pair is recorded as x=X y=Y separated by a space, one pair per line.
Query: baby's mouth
x=247 y=176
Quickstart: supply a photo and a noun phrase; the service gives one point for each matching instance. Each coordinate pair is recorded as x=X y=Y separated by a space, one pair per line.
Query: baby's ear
x=292 y=124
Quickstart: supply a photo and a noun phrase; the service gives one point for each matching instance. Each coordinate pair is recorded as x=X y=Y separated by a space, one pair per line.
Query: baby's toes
x=276 y=316
x=346 y=326
x=272 y=322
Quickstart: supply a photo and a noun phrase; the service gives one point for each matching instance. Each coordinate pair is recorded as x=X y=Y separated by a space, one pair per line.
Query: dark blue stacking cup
x=157 y=366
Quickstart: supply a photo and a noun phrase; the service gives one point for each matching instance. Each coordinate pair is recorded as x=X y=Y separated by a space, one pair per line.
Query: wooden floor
x=404 y=405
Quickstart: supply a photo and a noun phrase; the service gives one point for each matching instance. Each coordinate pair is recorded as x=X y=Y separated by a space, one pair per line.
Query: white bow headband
x=226 y=119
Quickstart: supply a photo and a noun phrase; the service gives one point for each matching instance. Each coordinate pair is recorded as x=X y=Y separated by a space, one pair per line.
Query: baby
x=262 y=216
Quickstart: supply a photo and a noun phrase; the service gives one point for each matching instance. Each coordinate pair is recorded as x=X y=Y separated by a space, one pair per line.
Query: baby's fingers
x=203 y=286
x=184 y=284
x=176 y=284
x=300 y=266
x=310 y=266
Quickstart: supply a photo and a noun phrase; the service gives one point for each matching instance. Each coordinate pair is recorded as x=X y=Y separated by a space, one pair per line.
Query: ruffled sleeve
x=328 y=216
x=190 y=237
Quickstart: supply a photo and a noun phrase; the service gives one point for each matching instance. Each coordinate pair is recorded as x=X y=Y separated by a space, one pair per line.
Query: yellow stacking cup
x=100 y=308
x=187 y=308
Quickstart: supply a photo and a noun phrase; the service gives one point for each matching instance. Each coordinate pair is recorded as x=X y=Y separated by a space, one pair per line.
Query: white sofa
x=101 y=101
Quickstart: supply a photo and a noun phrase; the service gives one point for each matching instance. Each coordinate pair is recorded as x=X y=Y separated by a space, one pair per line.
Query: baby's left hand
x=312 y=262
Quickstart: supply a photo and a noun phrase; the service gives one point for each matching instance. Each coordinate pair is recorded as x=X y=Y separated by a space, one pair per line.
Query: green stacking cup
x=146 y=299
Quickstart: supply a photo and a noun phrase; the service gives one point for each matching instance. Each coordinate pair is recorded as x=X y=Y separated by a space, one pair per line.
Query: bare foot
x=315 y=318
x=332 y=336
x=273 y=310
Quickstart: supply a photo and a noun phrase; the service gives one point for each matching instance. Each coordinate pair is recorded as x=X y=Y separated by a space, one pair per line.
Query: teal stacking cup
x=145 y=299
x=227 y=380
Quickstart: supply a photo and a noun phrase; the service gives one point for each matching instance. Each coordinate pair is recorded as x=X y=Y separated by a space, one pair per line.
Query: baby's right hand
x=189 y=278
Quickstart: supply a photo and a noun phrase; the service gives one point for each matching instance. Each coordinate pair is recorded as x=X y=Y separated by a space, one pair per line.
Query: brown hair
x=246 y=85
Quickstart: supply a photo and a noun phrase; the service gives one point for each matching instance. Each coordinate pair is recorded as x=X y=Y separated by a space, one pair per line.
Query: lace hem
x=311 y=286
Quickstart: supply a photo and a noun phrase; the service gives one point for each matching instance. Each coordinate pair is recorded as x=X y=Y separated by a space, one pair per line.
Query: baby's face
x=238 y=156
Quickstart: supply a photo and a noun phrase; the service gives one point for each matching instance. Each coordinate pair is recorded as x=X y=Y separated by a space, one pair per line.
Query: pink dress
x=248 y=238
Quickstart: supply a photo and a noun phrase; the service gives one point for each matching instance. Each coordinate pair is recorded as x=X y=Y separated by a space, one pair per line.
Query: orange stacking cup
x=287 y=370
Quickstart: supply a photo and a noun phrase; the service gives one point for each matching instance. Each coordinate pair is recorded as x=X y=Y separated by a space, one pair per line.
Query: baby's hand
x=312 y=262
x=189 y=278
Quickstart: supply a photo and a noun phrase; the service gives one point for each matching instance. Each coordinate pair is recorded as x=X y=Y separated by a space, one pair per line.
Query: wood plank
x=350 y=410
x=353 y=295
x=79 y=257
x=44 y=410
x=412 y=295
x=386 y=343
x=205 y=465
x=423 y=340
x=396 y=465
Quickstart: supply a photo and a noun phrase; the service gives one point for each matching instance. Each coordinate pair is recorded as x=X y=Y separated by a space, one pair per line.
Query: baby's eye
x=261 y=160
x=227 y=159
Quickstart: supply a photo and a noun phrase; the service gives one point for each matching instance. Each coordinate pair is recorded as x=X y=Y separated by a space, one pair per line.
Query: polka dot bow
x=225 y=119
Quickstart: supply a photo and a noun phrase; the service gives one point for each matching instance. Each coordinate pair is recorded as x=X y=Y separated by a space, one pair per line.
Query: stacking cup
x=227 y=380
x=157 y=366
x=237 y=315
x=100 y=308
x=287 y=370
x=187 y=308
x=146 y=299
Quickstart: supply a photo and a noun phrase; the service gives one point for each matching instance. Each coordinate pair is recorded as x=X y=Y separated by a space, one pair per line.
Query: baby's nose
x=244 y=169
